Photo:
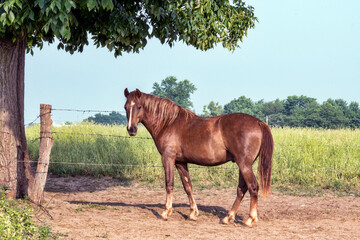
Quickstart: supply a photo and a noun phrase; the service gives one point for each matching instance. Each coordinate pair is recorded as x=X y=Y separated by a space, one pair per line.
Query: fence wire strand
x=150 y=138
x=86 y=110
x=190 y=167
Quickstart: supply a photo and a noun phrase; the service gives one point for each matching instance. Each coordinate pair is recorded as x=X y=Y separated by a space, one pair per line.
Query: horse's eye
x=139 y=107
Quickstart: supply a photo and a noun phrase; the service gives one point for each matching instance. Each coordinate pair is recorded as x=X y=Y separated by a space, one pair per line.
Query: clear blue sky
x=308 y=47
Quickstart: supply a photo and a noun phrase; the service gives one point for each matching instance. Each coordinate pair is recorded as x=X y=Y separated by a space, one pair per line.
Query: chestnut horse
x=181 y=137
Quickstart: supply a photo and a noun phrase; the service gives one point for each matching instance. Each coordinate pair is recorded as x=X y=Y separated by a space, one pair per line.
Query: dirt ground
x=105 y=208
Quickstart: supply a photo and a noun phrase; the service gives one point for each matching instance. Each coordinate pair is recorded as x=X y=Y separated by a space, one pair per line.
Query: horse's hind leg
x=253 y=188
x=240 y=192
x=185 y=178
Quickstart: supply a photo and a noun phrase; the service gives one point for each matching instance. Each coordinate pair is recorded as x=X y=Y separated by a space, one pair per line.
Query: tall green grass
x=312 y=158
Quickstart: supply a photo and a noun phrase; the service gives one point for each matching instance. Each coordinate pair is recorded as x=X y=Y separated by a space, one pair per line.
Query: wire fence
x=150 y=138
x=54 y=133
x=190 y=167
x=268 y=118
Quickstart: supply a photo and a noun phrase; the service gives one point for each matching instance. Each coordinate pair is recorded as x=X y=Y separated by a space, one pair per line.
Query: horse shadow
x=216 y=211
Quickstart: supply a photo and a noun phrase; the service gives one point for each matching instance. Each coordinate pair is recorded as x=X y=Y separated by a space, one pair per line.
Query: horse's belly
x=207 y=158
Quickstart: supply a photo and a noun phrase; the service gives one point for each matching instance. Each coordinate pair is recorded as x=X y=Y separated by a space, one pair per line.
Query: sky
x=306 y=47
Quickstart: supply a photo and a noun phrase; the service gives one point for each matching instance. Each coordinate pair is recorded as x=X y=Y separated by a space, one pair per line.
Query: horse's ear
x=126 y=92
x=138 y=93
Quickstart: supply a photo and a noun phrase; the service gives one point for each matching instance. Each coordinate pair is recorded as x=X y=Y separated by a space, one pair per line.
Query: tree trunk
x=15 y=171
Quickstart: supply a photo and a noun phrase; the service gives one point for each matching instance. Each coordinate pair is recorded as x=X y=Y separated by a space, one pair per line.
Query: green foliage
x=296 y=111
x=312 y=158
x=125 y=25
x=16 y=222
x=111 y=119
x=212 y=110
x=242 y=104
x=179 y=92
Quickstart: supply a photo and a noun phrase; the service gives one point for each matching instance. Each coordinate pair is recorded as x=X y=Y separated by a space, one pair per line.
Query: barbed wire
x=190 y=167
x=100 y=135
x=150 y=138
x=315 y=145
x=86 y=110
x=32 y=122
x=271 y=116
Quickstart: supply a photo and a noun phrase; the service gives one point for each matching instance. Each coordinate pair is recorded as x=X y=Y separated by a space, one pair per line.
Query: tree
x=331 y=114
x=118 y=25
x=295 y=104
x=242 y=104
x=215 y=109
x=354 y=115
x=179 y=92
x=111 y=119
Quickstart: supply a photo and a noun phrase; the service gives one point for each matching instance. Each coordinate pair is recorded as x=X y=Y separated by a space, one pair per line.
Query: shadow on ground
x=155 y=209
x=76 y=184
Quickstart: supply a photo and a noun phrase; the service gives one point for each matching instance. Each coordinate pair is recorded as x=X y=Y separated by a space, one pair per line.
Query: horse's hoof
x=193 y=214
x=193 y=217
x=225 y=220
x=251 y=220
x=166 y=214
x=248 y=223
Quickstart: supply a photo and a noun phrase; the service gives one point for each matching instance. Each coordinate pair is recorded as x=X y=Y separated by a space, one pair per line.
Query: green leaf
x=58 y=4
x=91 y=4
x=69 y=4
x=6 y=8
x=18 y=3
x=46 y=28
x=11 y=17
x=62 y=17
x=3 y=17
x=31 y=15
x=107 y=4
x=63 y=31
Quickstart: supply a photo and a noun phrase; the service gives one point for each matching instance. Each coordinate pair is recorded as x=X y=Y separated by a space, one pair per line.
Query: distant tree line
x=294 y=111
x=113 y=118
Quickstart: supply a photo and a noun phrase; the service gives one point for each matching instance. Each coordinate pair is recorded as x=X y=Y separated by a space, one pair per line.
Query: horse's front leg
x=185 y=178
x=168 y=161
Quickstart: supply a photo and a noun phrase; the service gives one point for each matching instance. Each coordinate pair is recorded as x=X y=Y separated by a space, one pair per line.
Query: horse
x=182 y=137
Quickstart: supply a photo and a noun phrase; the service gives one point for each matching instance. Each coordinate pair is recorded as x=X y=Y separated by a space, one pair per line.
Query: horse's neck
x=149 y=123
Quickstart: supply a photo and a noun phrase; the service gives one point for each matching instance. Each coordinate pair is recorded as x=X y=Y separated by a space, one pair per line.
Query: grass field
x=305 y=158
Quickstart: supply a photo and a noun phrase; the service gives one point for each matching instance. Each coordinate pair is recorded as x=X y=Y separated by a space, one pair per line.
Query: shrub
x=16 y=221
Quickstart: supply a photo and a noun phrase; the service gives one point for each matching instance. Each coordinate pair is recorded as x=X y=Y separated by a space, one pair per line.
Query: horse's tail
x=265 y=159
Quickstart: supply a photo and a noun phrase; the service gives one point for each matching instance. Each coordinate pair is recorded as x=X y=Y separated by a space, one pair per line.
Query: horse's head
x=134 y=110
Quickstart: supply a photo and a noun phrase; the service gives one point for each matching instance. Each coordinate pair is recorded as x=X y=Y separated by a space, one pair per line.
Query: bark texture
x=15 y=169
x=36 y=193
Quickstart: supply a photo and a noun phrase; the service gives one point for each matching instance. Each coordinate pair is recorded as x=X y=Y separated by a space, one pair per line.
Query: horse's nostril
x=132 y=129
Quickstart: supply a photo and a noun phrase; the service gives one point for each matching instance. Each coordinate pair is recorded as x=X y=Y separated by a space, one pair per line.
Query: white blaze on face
x=131 y=108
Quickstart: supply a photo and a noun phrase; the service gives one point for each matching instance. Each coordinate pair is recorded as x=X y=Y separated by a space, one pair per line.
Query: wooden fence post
x=46 y=142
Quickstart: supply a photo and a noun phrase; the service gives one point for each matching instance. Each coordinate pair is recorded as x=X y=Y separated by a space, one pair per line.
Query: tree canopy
x=179 y=92
x=125 y=25
x=295 y=111
x=111 y=119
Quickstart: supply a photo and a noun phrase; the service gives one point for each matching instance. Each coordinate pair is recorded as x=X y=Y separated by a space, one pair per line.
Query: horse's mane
x=164 y=110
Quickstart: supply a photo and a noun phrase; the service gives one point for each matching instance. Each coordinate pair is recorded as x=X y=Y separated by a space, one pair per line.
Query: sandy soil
x=90 y=208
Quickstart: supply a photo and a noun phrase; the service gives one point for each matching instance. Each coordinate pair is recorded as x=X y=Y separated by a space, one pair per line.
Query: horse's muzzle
x=132 y=130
